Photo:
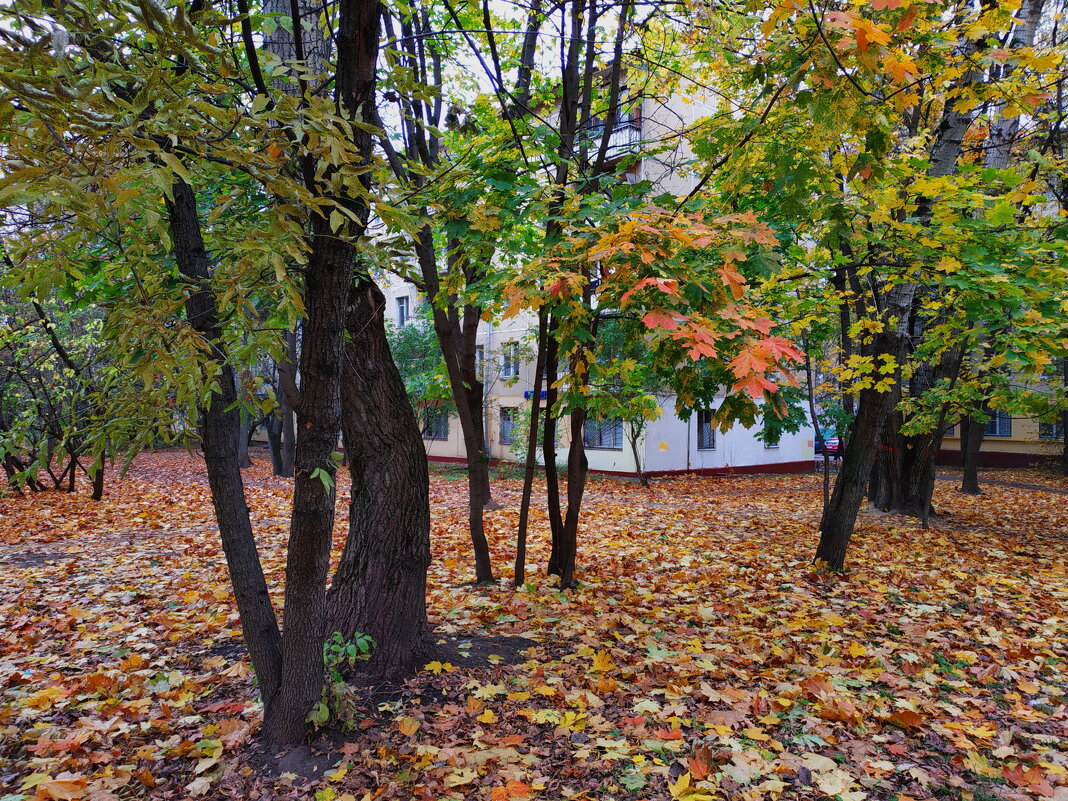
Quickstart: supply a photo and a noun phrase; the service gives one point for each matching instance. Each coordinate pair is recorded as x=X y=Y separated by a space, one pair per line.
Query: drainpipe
x=487 y=351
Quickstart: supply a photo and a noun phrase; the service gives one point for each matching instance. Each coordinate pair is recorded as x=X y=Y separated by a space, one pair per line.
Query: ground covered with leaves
x=702 y=657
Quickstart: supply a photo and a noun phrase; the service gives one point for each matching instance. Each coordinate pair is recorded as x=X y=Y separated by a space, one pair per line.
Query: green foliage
x=338 y=701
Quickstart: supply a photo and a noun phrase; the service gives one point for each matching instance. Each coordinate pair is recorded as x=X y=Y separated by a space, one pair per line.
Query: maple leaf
x=511 y=791
x=868 y=33
x=750 y=360
x=659 y=319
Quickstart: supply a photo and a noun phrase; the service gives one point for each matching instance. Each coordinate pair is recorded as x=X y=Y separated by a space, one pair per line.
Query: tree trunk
x=243 y=459
x=532 y=455
x=327 y=281
x=1064 y=422
x=379 y=588
x=548 y=450
x=840 y=515
x=272 y=424
x=633 y=435
x=971 y=441
x=456 y=337
x=98 y=479
x=327 y=286
x=218 y=432
x=577 y=469
x=287 y=398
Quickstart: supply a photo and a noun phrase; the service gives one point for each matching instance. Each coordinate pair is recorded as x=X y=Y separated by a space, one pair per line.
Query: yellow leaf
x=602 y=662
x=489 y=716
x=408 y=726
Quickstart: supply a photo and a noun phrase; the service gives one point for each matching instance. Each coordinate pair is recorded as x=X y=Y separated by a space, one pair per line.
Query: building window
x=403 y=311
x=706 y=431
x=1051 y=430
x=435 y=423
x=774 y=444
x=480 y=362
x=999 y=424
x=603 y=434
x=510 y=360
x=507 y=433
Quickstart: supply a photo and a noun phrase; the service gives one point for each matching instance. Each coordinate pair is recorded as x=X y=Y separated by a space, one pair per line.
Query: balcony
x=625 y=138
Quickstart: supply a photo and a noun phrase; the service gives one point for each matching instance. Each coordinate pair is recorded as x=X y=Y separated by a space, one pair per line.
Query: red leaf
x=659 y=319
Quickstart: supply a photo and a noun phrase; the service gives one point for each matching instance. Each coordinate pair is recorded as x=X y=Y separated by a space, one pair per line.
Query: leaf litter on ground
x=702 y=657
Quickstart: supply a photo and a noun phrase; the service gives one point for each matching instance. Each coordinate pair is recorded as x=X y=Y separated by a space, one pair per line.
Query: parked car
x=830 y=446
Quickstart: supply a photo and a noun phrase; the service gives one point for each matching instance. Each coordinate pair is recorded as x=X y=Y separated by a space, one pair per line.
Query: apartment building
x=668 y=445
x=1010 y=442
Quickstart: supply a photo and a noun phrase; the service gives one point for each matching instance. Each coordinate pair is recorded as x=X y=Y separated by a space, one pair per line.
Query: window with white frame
x=507 y=432
x=403 y=311
x=510 y=360
x=999 y=424
x=1051 y=430
x=603 y=435
x=480 y=362
x=706 y=431
x=435 y=423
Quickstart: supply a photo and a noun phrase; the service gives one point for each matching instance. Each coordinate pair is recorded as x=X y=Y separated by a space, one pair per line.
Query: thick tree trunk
x=971 y=441
x=904 y=476
x=218 y=432
x=532 y=455
x=327 y=286
x=379 y=588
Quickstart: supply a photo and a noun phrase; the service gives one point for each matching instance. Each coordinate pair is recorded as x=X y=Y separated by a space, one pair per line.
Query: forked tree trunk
x=971 y=442
x=379 y=588
x=456 y=334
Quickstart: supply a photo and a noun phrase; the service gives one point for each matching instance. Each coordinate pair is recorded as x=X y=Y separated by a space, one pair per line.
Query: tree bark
x=548 y=450
x=243 y=459
x=577 y=470
x=287 y=399
x=98 y=479
x=633 y=435
x=218 y=433
x=532 y=455
x=328 y=282
x=379 y=588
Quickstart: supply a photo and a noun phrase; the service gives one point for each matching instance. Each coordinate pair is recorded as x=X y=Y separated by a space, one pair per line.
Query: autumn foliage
x=701 y=657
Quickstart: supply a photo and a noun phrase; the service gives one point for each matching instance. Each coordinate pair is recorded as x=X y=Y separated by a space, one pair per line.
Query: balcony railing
x=625 y=137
